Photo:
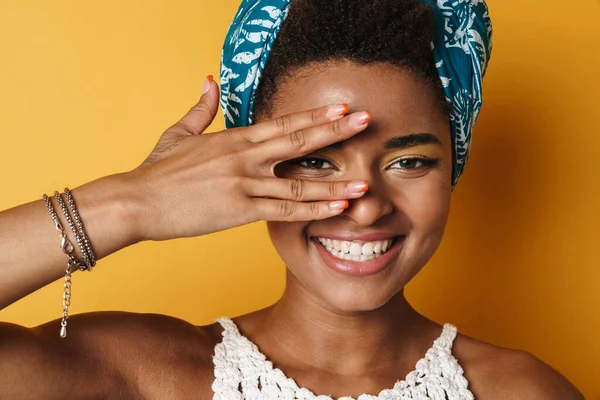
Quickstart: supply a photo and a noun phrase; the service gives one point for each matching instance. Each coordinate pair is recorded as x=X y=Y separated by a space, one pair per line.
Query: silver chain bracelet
x=67 y=247
x=76 y=232
x=86 y=242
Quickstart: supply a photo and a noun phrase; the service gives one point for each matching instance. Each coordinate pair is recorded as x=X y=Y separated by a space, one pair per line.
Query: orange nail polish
x=338 y=205
x=355 y=187
x=368 y=118
x=207 y=84
x=335 y=112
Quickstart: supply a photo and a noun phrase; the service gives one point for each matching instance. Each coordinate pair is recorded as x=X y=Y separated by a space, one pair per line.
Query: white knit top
x=242 y=372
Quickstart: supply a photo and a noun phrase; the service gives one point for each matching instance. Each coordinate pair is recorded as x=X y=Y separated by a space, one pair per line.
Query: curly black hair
x=397 y=32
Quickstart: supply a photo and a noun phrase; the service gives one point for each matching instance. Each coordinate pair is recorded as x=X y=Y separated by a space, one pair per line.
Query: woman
x=351 y=156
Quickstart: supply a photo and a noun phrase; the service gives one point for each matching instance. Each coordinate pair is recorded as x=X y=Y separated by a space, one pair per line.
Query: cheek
x=429 y=209
x=288 y=238
x=427 y=205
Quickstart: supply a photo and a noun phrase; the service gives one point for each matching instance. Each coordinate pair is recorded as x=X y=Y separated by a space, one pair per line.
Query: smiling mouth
x=358 y=251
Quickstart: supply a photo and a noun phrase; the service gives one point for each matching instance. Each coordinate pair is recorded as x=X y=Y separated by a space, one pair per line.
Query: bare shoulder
x=145 y=326
x=115 y=354
x=144 y=346
x=118 y=330
x=504 y=374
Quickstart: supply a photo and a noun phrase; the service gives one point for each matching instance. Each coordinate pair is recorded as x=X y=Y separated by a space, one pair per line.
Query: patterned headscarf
x=461 y=50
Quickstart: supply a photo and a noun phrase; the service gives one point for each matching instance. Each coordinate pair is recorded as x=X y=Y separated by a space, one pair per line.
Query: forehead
x=400 y=102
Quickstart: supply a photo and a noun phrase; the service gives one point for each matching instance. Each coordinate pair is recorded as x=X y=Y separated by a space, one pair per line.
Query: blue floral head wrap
x=461 y=51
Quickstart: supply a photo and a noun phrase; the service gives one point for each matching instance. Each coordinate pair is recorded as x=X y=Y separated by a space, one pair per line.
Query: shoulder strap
x=230 y=329
x=227 y=375
x=446 y=340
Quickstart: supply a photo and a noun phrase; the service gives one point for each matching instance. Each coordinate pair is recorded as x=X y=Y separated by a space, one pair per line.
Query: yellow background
x=87 y=87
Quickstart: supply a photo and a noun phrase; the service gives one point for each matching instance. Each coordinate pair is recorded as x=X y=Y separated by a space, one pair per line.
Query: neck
x=309 y=334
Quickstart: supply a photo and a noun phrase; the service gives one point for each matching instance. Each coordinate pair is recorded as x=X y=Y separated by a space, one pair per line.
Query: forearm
x=30 y=253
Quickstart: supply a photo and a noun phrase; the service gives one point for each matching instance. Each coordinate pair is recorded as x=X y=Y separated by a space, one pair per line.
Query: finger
x=293 y=211
x=203 y=113
x=286 y=124
x=302 y=142
x=303 y=190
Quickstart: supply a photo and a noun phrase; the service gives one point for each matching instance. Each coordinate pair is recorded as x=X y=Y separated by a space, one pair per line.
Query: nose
x=368 y=209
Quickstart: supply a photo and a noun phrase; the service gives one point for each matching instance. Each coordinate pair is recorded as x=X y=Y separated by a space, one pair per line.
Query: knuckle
x=185 y=127
x=336 y=128
x=240 y=185
x=296 y=189
x=202 y=108
x=234 y=136
x=284 y=123
x=234 y=157
x=298 y=140
x=314 y=117
x=315 y=209
x=333 y=189
x=286 y=210
x=231 y=135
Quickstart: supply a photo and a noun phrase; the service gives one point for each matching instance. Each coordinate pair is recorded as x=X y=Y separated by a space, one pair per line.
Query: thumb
x=203 y=113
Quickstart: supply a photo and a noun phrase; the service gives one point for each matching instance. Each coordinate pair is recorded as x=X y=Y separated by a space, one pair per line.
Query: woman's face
x=405 y=155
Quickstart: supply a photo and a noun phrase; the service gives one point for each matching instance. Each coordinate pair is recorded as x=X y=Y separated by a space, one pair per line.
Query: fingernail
x=357 y=187
x=338 y=205
x=338 y=110
x=207 y=84
x=357 y=120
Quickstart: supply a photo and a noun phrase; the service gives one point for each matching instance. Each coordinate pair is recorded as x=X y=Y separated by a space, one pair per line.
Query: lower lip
x=355 y=268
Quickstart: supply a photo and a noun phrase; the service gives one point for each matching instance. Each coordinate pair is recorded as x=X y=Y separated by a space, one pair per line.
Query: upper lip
x=352 y=236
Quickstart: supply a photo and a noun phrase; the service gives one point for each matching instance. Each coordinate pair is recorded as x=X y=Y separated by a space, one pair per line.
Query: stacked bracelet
x=88 y=253
x=73 y=263
x=84 y=245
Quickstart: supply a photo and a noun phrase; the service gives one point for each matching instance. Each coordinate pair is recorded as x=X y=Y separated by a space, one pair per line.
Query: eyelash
x=313 y=158
x=425 y=161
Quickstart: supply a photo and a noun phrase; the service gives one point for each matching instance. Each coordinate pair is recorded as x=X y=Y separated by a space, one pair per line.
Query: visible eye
x=414 y=163
x=314 y=163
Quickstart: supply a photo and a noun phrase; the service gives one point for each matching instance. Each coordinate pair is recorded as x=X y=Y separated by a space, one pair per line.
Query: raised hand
x=194 y=184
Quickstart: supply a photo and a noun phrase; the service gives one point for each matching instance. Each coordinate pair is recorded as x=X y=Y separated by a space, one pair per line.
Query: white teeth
x=377 y=248
x=349 y=250
x=345 y=247
x=355 y=249
x=367 y=249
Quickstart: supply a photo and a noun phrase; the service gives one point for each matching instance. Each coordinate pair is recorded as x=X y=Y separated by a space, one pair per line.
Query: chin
x=356 y=301
x=344 y=296
x=342 y=293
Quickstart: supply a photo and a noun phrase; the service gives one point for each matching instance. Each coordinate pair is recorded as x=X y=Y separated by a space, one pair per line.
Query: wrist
x=110 y=210
x=127 y=201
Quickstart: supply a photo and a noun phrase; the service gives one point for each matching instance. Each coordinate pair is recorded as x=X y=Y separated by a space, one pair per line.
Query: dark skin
x=332 y=333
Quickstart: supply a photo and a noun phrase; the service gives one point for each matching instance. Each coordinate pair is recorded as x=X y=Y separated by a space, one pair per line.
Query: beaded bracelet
x=77 y=231
x=82 y=240
x=89 y=253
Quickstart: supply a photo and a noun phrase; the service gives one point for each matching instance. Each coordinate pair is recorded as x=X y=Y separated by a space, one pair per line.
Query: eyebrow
x=402 y=142
x=416 y=139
